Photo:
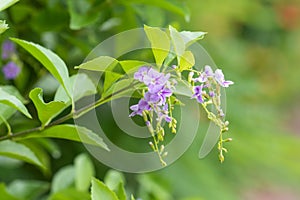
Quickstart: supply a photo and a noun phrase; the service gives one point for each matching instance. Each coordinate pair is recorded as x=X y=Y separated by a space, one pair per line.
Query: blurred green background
x=256 y=43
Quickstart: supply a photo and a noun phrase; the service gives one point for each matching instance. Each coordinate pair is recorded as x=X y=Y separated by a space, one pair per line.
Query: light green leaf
x=160 y=43
x=19 y=151
x=187 y=61
x=28 y=189
x=101 y=64
x=130 y=66
x=132 y=197
x=70 y=194
x=101 y=191
x=7 y=111
x=110 y=78
x=115 y=181
x=6 y=3
x=4 y=194
x=63 y=179
x=82 y=13
x=84 y=171
x=69 y=132
x=178 y=42
x=46 y=111
x=54 y=64
x=14 y=102
x=3 y=26
x=191 y=37
x=82 y=86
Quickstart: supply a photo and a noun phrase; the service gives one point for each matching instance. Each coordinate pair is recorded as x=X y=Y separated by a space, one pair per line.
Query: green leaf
x=110 y=78
x=28 y=189
x=63 y=179
x=54 y=64
x=4 y=194
x=46 y=111
x=187 y=61
x=160 y=43
x=130 y=66
x=6 y=3
x=84 y=171
x=132 y=197
x=100 y=191
x=115 y=181
x=19 y=151
x=7 y=111
x=178 y=42
x=82 y=13
x=191 y=37
x=3 y=26
x=101 y=64
x=69 y=132
x=70 y=194
x=14 y=102
x=82 y=86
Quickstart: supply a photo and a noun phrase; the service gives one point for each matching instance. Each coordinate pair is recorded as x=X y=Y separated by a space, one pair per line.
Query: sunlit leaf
x=4 y=194
x=187 y=61
x=19 y=151
x=6 y=3
x=115 y=181
x=69 y=132
x=101 y=64
x=63 y=179
x=160 y=43
x=69 y=194
x=28 y=189
x=110 y=78
x=84 y=171
x=14 y=102
x=82 y=86
x=130 y=66
x=53 y=63
x=46 y=111
x=191 y=37
x=177 y=42
x=101 y=191
x=3 y=26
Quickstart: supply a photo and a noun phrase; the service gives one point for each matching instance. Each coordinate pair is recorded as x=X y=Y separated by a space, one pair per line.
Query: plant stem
x=73 y=114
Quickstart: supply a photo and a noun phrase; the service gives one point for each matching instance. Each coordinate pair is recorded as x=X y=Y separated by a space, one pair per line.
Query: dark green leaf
x=46 y=111
x=84 y=171
x=54 y=64
x=101 y=191
x=19 y=151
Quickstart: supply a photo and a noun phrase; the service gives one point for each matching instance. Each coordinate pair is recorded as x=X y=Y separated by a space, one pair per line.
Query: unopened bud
x=152 y=146
x=190 y=77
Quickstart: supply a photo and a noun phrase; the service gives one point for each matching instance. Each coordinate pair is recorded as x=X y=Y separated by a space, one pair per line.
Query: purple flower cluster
x=205 y=78
x=11 y=70
x=155 y=99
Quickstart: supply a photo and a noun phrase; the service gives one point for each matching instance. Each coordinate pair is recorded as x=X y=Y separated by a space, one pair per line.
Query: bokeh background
x=256 y=43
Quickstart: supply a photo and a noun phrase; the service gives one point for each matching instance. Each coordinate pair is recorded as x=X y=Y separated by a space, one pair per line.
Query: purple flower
x=208 y=72
x=8 y=49
x=141 y=73
x=198 y=93
x=219 y=77
x=11 y=70
x=139 y=108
